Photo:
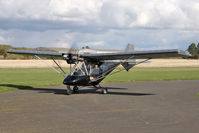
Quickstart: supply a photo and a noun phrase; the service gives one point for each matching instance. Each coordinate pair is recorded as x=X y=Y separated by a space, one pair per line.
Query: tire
x=68 y=90
x=75 y=89
x=104 y=91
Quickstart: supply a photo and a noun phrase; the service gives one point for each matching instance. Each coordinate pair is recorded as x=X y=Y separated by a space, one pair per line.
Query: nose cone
x=69 y=80
x=76 y=80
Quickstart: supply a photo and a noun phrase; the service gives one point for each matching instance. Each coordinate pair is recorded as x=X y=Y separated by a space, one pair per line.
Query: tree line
x=194 y=50
x=5 y=55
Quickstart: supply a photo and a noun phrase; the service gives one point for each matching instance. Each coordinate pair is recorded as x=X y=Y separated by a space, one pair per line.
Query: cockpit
x=84 y=72
x=84 y=68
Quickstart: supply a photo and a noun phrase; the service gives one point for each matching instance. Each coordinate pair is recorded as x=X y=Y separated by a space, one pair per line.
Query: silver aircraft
x=90 y=67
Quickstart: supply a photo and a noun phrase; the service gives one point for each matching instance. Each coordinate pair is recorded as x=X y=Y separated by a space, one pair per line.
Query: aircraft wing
x=137 y=55
x=33 y=52
x=111 y=56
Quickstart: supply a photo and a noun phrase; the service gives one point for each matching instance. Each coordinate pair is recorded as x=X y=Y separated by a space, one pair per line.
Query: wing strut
x=58 y=66
x=144 y=61
x=51 y=66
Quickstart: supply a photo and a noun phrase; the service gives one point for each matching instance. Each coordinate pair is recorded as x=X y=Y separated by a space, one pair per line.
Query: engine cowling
x=70 y=59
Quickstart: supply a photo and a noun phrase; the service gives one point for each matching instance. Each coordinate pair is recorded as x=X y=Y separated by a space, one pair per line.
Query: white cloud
x=95 y=43
x=2 y=39
x=74 y=8
x=128 y=13
x=108 y=23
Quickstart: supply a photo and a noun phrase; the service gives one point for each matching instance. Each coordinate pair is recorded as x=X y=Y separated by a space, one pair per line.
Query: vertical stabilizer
x=129 y=62
x=129 y=47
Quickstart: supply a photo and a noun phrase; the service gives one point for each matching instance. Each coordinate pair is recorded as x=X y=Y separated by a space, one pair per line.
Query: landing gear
x=69 y=91
x=75 y=89
x=103 y=90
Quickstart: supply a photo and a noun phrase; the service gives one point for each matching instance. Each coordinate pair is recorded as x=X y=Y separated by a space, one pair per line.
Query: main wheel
x=75 y=89
x=68 y=90
x=104 y=91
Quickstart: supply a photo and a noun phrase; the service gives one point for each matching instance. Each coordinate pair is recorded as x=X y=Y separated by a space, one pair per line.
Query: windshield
x=80 y=69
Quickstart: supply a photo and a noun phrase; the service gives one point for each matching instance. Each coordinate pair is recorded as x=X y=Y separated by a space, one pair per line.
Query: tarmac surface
x=140 y=107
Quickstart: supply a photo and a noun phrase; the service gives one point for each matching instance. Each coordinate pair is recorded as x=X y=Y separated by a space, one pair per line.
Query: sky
x=103 y=24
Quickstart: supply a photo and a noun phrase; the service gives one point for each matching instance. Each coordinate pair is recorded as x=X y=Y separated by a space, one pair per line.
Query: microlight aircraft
x=90 y=67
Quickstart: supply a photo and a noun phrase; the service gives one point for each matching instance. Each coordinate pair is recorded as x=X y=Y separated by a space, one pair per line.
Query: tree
x=192 y=49
x=3 y=52
x=86 y=47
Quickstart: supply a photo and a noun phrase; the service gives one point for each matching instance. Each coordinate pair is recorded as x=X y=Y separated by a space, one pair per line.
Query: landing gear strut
x=68 y=90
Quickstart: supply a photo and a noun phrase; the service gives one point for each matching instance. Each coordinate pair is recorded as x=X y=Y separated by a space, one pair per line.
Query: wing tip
x=34 y=52
x=184 y=53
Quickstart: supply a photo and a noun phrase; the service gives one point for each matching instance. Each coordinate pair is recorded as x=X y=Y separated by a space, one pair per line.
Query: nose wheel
x=69 y=91
x=75 y=89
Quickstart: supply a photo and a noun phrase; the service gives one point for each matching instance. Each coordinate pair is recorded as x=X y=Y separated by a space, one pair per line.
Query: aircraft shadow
x=40 y=90
x=16 y=86
x=81 y=91
x=110 y=92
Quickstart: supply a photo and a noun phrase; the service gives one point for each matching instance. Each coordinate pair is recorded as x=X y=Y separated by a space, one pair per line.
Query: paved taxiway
x=140 y=107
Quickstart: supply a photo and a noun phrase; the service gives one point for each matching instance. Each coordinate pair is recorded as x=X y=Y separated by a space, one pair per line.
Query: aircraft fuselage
x=89 y=74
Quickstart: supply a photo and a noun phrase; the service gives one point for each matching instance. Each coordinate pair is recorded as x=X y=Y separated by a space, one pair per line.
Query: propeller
x=72 y=55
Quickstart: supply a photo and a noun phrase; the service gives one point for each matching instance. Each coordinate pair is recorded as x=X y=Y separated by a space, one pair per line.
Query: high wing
x=110 y=56
x=33 y=52
x=137 y=55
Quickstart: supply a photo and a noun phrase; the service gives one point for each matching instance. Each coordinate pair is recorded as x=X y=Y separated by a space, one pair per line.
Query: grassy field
x=21 y=78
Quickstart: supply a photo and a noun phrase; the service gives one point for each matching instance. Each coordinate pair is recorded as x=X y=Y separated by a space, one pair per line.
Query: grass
x=197 y=94
x=156 y=74
x=13 y=79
